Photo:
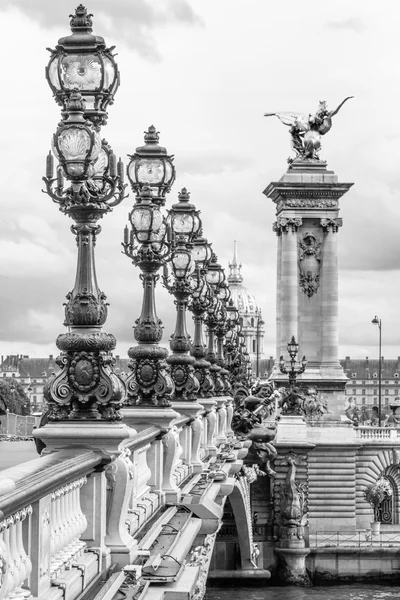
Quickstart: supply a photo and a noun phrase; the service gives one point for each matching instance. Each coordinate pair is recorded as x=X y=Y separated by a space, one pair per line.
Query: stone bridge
x=110 y=509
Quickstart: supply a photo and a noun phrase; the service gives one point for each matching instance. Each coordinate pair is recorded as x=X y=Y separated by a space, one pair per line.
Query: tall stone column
x=329 y=296
x=288 y=289
x=307 y=209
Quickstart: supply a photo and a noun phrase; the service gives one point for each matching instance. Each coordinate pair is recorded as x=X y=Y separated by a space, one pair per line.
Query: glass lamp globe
x=292 y=347
x=201 y=252
x=146 y=220
x=184 y=217
x=82 y=61
x=215 y=274
x=182 y=263
x=76 y=143
x=151 y=167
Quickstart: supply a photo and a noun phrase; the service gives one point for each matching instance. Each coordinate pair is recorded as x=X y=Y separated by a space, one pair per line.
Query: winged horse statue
x=306 y=130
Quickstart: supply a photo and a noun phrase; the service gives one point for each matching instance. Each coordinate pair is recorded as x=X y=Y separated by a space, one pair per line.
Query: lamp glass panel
x=212 y=277
x=181 y=260
x=74 y=144
x=53 y=73
x=109 y=72
x=182 y=223
x=150 y=171
x=82 y=71
x=89 y=102
x=141 y=219
x=168 y=171
x=199 y=253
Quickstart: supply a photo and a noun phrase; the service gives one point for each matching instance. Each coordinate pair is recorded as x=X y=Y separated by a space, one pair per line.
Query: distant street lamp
x=259 y=324
x=377 y=321
x=295 y=367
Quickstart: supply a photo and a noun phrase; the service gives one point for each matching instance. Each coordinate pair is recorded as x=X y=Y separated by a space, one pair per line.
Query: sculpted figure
x=306 y=130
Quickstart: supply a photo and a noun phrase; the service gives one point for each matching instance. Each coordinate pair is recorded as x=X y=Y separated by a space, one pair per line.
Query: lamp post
x=185 y=224
x=215 y=277
x=200 y=301
x=148 y=244
x=377 y=321
x=84 y=78
x=295 y=368
x=260 y=323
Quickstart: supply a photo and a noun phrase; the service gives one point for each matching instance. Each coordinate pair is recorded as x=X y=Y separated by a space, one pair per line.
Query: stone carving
x=306 y=203
x=3 y=565
x=290 y=506
x=306 y=130
x=85 y=383
x=331 y=224
x=309 y=263
x=200 y=557
x=149 y=382
x=302 y=401
x=284 y=225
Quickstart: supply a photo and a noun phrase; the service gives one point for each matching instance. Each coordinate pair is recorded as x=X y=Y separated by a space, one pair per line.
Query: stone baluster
x=211 y=418
x=15 y=556
x=197 y=431
x=229 y=415
x=172 y=453
x=221 y=415
x=120 y=475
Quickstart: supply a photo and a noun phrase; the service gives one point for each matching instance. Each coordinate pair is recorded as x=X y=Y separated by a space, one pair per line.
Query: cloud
x=351 y=24
x=212 y=164
x=126 y=20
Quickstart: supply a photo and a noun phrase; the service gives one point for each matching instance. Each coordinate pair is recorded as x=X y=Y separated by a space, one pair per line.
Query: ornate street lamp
x=85 y=386
x=185 y=223
x=295 y=367
x=259 y=324
x=152 y=167
x=377 y=321
x=148 y=246
x=200 y=301
x=215 y=277
x=82 y=61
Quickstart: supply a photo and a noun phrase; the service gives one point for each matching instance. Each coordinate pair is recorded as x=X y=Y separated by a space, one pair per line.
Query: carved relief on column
x=309 y=263
x=331 y=224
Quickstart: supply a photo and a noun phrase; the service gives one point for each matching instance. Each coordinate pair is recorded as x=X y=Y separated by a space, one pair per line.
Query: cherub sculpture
x=306 y=130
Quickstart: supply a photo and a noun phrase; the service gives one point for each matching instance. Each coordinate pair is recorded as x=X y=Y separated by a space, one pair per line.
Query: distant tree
x=13 y=396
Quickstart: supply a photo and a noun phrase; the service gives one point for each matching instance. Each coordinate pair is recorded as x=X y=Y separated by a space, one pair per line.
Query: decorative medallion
x=309 y=263
x=84 y=372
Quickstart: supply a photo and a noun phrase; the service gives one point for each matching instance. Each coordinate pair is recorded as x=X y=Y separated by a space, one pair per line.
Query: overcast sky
x=204 y=72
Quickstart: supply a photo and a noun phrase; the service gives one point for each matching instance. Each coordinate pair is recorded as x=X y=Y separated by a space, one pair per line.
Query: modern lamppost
x=377 y=321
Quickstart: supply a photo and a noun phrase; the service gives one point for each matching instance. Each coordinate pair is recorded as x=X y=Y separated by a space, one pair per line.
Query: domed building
x=250 y=314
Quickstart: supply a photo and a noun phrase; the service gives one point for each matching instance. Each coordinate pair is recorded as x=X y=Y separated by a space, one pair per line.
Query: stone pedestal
x=291 y=430
x=292 y=566
x=307 y=209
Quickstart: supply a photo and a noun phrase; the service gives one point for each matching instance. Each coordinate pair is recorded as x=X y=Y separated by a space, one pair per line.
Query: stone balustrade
x=82 y=507
x=377 y=433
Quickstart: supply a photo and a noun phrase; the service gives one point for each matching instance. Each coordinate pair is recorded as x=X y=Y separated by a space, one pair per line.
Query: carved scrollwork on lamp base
x=149 y=383
x=85 y=386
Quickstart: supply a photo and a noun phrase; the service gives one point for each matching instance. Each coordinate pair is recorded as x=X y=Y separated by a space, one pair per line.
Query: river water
x=342 y=592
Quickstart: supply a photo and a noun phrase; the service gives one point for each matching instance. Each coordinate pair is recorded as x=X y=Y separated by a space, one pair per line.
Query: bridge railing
x=70 y=514
x=41 y=523
x=358 y=539
x=377 y=433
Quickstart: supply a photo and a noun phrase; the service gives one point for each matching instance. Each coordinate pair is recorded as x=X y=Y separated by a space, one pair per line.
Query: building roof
x=365 y=368
x=35 y=368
